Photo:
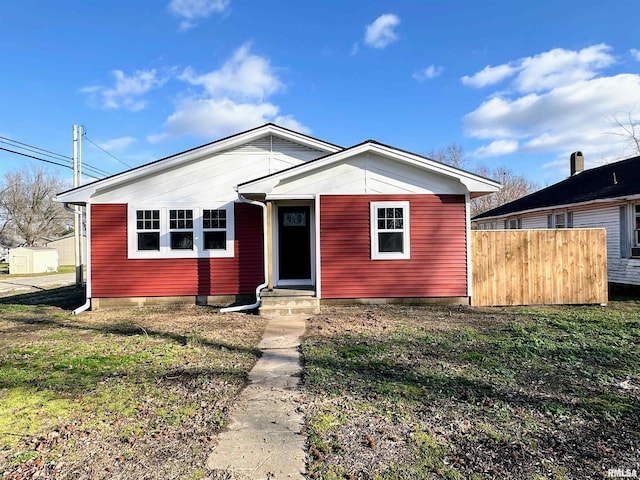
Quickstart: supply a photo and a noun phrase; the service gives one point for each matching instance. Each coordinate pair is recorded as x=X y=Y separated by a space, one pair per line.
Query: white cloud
x=244 y=75
x=192 y=10
x=116 y=144
x=555 y=102
x=546 y=70
x=428 y=73
x=499 y=147
x=635 y=53
x=381 y=32
x=128 y=90
x=233 y=98
x=488 y=76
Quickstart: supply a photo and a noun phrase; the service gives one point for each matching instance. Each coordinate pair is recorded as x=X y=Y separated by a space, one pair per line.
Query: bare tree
x=514 y=185
x=451 y=155
x=27 y=208
x=628 y=129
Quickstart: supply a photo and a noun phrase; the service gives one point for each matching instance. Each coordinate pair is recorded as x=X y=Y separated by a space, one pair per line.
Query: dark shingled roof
x=608 y=181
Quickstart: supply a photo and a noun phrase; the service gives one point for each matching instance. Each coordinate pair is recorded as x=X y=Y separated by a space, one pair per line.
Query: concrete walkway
x=43 y=282
x=264 y=438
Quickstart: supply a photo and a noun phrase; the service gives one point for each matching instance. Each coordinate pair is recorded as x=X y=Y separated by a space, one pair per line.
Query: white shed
x=25 y=260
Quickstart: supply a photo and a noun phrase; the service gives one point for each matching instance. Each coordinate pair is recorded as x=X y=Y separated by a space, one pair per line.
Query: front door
x=294 y=243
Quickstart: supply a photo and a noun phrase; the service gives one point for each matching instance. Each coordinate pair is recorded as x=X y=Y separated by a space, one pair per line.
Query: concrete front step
x=273 y=306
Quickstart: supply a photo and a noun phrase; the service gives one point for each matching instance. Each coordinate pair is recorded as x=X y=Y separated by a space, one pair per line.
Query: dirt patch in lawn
x=467 y=393
x=117 y=394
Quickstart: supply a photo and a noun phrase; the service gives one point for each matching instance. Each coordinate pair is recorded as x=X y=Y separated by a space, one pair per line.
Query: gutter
x=265 y=246
x=87 y=303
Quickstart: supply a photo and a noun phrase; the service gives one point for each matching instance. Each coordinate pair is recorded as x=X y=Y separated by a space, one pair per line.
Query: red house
x=270 y=209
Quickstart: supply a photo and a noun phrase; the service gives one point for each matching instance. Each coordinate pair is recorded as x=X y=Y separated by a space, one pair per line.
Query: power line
x=46 y=161
x=47 y=153
x=110 y=154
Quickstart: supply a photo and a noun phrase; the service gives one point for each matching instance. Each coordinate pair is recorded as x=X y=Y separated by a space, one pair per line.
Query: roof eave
x=516 y=213
x=473 y=183
x=85 y=192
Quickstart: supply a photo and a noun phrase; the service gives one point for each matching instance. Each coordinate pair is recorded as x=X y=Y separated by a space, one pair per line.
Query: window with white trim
x=513 y=224
x=214 y=228
x=181 y=231
x=390 y=230
x=636 y=223
x=561 y=219
x=148 y=230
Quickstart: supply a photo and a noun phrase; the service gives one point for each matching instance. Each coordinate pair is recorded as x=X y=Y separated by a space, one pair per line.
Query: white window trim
x=634 y=220
x=165 y=239
x=406 y=232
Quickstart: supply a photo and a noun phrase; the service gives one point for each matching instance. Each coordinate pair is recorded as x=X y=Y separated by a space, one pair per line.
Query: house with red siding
x=271 y=209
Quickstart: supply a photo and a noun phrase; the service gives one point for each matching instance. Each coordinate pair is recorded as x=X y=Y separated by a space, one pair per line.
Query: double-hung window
x=181 y=231
x=560 y=220
x=513 y=224
x=390 y=230
x=148 y=230
x=214 y=228
x=636 y=230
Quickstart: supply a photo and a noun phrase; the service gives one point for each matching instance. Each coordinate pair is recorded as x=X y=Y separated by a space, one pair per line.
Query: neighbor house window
x=148 y=229
x=389 y=230
x=560 y=220
x=513 y=224
x=181 y=229
x=636 y=222
x=214 y=227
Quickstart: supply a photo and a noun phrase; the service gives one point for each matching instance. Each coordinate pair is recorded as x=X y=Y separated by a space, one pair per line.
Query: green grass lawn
x=463 y=393
x=4 y=269
x=116 y=394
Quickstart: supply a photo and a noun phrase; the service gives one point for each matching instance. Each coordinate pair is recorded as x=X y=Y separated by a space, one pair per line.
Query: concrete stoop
x=276 y=303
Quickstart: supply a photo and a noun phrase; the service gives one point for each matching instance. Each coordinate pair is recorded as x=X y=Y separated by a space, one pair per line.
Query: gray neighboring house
x=603 y=197
x=66 y=248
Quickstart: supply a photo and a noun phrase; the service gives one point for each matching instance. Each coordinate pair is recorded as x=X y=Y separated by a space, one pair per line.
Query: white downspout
x=265 y=247
x=87 y=303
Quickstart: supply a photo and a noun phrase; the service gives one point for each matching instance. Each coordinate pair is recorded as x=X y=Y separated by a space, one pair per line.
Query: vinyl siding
x=114 y=275
x=210 y=179
x=536 y=221
x=620 y=270
x=437 y=267
x=607 y=216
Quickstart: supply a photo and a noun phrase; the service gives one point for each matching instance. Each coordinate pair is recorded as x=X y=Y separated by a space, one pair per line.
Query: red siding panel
x=114 y=275
x=438 y=263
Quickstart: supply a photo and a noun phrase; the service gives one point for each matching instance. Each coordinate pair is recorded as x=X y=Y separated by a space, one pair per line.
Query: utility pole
x=77 y=217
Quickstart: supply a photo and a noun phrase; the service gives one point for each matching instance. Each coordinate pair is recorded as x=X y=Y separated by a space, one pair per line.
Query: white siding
x=607 y=216
x=368 y=173
x=534 y=222
x=213 y=178
x=620 y=270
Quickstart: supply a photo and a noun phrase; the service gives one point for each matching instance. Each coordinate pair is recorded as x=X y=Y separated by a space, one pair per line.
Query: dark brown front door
x=294 y=243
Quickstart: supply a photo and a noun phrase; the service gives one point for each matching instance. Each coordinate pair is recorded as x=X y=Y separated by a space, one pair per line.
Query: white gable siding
x=211 y=179
x=280 y=152
x=368 y=173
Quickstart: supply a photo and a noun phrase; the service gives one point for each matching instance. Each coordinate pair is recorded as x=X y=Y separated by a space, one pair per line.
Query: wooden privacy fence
x=533 y=267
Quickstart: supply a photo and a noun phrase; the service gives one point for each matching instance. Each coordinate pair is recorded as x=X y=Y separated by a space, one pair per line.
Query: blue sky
x=517 y=84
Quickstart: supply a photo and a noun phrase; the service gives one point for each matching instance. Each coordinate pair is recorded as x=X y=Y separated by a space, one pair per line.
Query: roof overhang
x=82 y=195
x=597 y=201
x=475 y=184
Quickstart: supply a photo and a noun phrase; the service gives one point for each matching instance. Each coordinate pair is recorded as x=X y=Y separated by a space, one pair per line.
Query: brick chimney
x=577 y=163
